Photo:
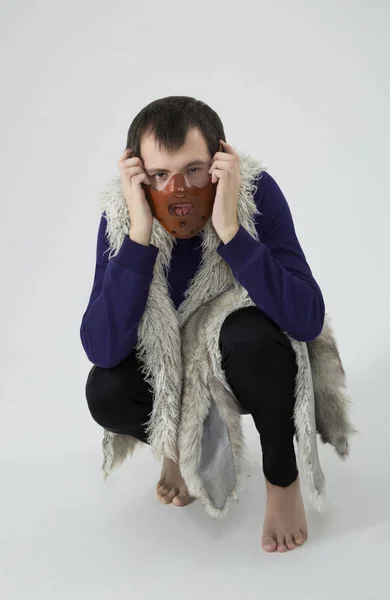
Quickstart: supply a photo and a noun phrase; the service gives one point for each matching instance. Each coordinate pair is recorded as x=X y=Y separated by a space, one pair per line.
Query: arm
x=120 y=290
x=274 y=270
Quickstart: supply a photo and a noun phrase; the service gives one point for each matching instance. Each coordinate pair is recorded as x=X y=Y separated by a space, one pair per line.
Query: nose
x=179 y=184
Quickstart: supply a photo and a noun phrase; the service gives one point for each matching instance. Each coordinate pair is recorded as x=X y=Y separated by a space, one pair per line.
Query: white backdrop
x=302 y=85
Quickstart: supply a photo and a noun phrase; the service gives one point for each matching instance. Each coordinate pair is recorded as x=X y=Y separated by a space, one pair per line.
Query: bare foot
x=171 y=488
x=285 y=522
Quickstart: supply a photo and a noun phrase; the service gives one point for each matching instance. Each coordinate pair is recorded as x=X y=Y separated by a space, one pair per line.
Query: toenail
x=298 y=540
x=269 y=544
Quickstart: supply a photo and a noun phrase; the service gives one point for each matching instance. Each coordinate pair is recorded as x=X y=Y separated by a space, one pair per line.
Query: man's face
x=181 y=193
x=193 y=160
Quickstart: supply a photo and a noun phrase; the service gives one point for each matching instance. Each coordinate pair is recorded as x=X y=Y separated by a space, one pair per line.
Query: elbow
x=99 y=359
x=100 y=354
x=312 y=323
x=307 y=334
x=96 y=355
x=103 y=363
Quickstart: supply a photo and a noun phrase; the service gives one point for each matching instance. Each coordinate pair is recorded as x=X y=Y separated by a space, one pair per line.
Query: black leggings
x=260 y=367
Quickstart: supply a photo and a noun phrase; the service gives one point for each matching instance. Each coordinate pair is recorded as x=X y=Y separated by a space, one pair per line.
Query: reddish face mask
x=182 y=209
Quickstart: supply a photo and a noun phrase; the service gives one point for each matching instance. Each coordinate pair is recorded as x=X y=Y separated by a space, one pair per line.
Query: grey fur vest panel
x=195 y=419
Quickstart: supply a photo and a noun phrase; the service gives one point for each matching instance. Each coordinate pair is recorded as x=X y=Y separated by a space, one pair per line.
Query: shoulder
x=268 y=191
x=269 y=198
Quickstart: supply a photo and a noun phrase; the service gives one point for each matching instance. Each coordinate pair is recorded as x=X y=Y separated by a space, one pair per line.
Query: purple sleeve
x=120 y=290
x=274 y=270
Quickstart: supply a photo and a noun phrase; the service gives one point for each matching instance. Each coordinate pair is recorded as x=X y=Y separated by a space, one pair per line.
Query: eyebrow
x=193 y=163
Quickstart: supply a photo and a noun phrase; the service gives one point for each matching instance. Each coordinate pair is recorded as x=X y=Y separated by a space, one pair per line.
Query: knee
x=249 y=332
x=102 y=390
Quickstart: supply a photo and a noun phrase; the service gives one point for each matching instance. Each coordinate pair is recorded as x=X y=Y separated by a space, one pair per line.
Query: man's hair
x=169 y=120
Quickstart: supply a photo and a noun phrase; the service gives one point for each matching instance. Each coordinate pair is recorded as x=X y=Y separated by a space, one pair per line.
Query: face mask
x=182 y=209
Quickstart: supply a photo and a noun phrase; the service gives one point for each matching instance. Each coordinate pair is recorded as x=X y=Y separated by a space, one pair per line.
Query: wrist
x=140 y=236
x=228 y=233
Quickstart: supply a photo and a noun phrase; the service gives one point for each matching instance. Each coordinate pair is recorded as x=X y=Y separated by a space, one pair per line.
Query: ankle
x=284 y=483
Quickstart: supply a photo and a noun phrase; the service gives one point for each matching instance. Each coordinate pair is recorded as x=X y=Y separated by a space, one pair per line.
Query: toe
x=269 y=544
x=298 y=538
x=304 y=535
x=290 y=542
x=165 y=494
x=181 y=500
x=162 y=491
x=171 y=495
x=281 y=544
x=165 y=499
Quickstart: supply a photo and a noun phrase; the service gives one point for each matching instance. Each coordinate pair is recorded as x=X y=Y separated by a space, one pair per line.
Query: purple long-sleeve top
x=273 y=270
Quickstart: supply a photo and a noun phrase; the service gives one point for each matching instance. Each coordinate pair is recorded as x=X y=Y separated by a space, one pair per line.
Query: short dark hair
x=169 y=120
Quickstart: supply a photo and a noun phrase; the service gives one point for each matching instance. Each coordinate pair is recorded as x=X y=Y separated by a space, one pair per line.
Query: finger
x=128 y=155
x=222 y=156
x=228 y=148
x=223 y=165
x=141 y=178
x=131 y=171
x=218 y=174
x=131 y=166
x=128 y=152
x=131 y=162
x=138 y=172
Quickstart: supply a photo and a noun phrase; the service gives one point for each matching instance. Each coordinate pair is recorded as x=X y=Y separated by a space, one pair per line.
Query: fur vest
x=195 y=419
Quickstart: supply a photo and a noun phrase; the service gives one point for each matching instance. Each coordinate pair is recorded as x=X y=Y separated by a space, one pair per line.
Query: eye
x=157 y=175
x=194 y=169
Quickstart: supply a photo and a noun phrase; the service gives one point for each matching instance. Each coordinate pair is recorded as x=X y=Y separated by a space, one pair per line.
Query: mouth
x=181 y=209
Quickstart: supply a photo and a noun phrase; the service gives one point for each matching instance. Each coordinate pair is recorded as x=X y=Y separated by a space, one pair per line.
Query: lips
x=181 y=209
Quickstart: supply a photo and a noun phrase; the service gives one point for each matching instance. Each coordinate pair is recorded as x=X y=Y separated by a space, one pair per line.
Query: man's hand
x=133 y=175
x=225 y=169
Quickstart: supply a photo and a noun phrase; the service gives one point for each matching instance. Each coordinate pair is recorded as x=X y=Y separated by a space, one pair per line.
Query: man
x=195 y=222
